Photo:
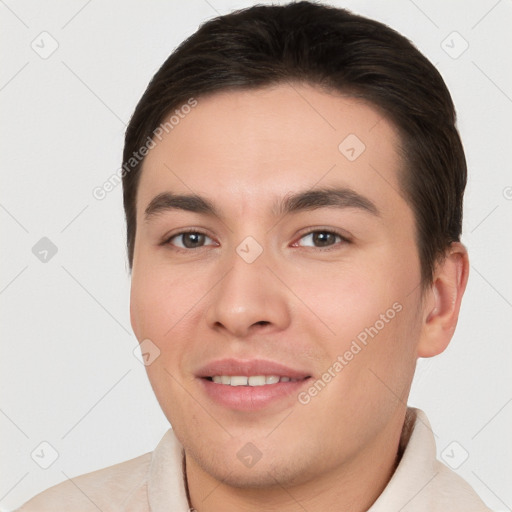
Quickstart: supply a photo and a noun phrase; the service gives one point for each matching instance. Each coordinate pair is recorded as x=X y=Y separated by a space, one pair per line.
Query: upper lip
x=249 y=368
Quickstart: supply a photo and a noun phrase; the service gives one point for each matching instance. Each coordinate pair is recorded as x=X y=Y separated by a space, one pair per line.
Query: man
x=293 y=183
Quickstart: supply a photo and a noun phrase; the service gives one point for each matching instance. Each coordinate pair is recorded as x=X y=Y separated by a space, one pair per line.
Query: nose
x=249 y=299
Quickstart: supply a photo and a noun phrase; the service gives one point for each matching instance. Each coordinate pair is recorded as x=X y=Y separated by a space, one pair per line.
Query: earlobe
x=442 y=301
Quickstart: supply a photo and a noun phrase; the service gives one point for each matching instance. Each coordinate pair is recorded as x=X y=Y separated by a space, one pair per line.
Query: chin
x=274 y=469
x=249 y=479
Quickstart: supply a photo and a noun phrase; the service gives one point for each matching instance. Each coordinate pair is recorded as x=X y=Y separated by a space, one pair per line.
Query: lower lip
x=251 y=398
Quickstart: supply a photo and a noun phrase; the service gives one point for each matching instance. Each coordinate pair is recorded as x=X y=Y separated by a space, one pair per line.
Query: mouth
x=251 y=385
x=253 y=380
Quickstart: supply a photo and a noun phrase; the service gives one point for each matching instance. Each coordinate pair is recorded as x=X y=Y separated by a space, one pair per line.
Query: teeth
x=239 y=381
x=253 y=380
x=257 y=380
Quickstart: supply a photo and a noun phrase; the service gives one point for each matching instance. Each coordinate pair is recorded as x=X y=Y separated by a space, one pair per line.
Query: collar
x=415 y=471
x=420 y=483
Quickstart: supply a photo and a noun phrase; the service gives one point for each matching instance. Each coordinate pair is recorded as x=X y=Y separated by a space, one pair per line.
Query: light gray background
x=68 y=374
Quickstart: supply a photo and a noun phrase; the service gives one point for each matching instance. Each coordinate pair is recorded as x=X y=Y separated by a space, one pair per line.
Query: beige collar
x=419 y=484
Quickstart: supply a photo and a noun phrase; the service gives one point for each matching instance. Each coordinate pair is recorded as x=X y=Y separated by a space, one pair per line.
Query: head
x=312 y=156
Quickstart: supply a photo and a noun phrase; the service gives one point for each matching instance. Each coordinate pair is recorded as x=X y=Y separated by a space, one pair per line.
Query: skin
x=297 y=303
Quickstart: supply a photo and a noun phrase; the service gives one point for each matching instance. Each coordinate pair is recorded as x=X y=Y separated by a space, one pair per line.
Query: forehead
x=242 y=148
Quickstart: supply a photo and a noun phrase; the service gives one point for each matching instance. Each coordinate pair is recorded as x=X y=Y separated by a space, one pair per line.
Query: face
x=276 y=272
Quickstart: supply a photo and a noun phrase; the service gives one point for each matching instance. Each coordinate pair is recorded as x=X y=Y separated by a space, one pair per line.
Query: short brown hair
x=334 y=49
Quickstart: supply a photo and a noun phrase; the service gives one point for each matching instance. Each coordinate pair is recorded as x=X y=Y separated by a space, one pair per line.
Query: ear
x=441 y=301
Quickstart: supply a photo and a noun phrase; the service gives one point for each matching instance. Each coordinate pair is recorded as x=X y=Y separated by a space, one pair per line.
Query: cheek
x=144 y=315
x=369 y=303
x=161 y=305
x=163 y=297
x=345 y=300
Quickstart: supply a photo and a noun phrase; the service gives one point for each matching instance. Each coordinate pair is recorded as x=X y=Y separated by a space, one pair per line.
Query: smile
x=253 y=380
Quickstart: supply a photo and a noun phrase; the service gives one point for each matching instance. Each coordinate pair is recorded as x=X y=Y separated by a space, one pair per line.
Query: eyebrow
x=294 y=203
x=325 y=197
x=168 y=201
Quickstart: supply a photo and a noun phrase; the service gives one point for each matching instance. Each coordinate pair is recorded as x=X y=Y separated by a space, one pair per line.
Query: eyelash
x=343 y=239
x=167 y=241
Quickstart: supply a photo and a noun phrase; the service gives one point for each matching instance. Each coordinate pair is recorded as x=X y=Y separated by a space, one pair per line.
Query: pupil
x=323 y=238
x=191 y=240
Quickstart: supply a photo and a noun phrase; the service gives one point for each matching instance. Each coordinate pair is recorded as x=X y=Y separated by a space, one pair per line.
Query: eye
x=321 y=238
x=190 y=240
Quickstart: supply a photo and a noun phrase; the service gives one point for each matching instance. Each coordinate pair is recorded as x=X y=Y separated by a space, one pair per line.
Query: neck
x=353 y=485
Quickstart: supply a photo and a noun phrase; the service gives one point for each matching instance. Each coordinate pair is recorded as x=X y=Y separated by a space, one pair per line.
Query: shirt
x=155 y=482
